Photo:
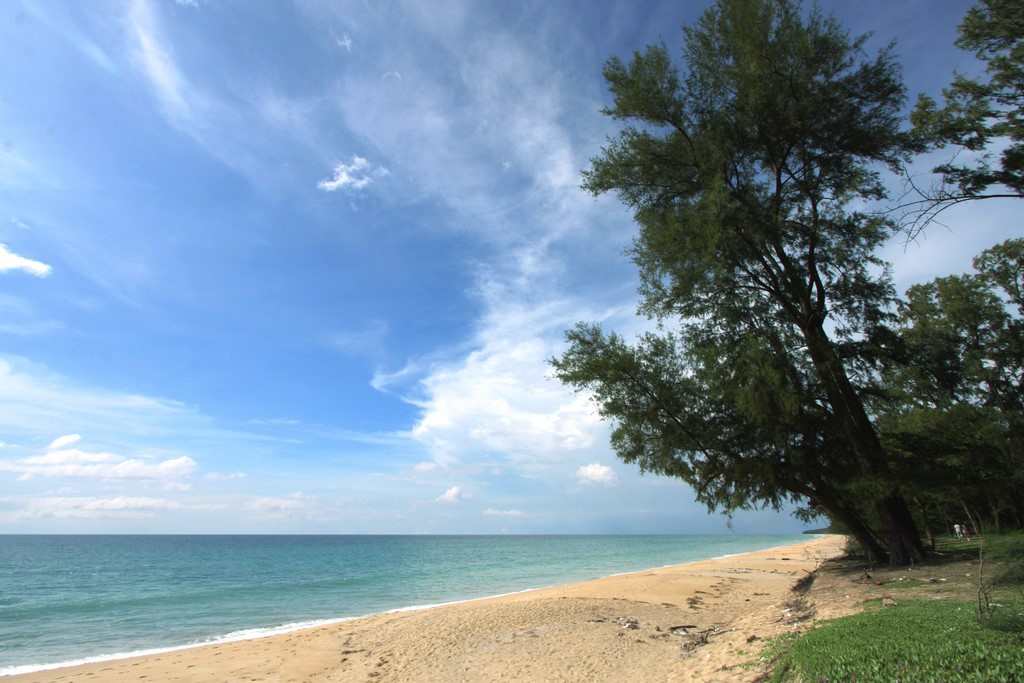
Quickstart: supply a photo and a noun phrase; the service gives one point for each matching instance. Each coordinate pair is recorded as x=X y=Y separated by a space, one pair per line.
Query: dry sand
x=618 y=628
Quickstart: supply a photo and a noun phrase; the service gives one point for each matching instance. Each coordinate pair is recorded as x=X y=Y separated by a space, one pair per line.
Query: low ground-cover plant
x=920 y=641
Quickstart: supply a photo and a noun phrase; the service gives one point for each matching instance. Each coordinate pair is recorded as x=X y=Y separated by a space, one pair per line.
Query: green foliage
x=739 y=168
x=956 y=408
x=976 y=112
x=784 y=369
x=1003 y=265
x=921 y=641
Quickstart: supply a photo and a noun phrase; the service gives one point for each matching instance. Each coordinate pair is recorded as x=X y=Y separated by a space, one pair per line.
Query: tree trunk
x=995 y=514
x=1015 y=511
x=848 y=516
x=902 y=538
x=875 y=551
x=927 y=525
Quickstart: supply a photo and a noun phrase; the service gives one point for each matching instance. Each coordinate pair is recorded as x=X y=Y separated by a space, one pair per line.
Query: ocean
x=70 y=599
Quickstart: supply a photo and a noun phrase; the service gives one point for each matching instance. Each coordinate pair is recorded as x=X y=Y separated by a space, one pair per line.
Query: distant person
x=967 y=532
x=958 y=531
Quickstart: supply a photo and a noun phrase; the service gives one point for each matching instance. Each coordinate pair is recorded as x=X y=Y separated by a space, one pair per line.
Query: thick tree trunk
x=994 y=508
x=838 y=510
x=875 y=551
x=927 y=524
x=902 y=538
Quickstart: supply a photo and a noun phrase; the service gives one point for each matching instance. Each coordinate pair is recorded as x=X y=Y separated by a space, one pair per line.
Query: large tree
x=741 y=168
x=958 y=390
x=978 y=115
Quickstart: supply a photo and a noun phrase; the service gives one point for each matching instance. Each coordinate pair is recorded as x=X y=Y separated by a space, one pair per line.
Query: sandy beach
x=700 y=621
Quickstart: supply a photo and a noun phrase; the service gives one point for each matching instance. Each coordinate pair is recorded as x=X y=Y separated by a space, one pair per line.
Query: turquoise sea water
x=68 y=598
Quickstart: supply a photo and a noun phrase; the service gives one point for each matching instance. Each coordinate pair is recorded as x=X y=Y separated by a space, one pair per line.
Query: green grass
x=922 y=638
x=1006 y=547
x=1004 y=556
x=919 y=641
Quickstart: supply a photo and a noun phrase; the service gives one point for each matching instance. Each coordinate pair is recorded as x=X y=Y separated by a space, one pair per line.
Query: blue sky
x=277 y=267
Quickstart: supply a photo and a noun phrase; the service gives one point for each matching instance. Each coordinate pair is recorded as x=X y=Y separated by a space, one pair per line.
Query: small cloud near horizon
x=491 y=512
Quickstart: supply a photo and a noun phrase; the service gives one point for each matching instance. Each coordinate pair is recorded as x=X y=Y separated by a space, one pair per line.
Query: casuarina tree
x=983 y=117
x=742 y=166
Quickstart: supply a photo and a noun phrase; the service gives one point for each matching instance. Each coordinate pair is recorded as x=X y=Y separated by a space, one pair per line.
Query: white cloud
x=66 y=440
x=452 y=495
x=500 y=398
x=225 y=476
x=287 y=506
x=596 y=473
x=491 y=512
x=97 y=465
x=61 y=461
x=82 y=507
x=354 y=175
x=275 y=421
x=71 y=456
x=426 y=466
x=345 y=41
x=11 y=261
x=493 y=105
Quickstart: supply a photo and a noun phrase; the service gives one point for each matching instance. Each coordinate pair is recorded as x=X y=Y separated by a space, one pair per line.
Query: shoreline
x=259 y=632
x=252 y=638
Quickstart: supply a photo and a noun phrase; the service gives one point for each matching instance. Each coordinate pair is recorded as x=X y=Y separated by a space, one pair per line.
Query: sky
x=299 y=266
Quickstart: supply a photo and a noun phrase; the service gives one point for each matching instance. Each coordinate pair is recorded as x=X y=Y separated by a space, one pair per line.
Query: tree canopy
x=978 y=115
x=779 y=345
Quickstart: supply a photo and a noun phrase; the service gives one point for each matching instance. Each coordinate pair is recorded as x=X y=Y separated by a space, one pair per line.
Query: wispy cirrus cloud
x=515 y=187
x=492 y=512
x=359 y=341
x=225 y=476
x=60 y=25
x=295 y=504
x=18 y=317
x=246 y=124
x=157 y=62
x=90 y=507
